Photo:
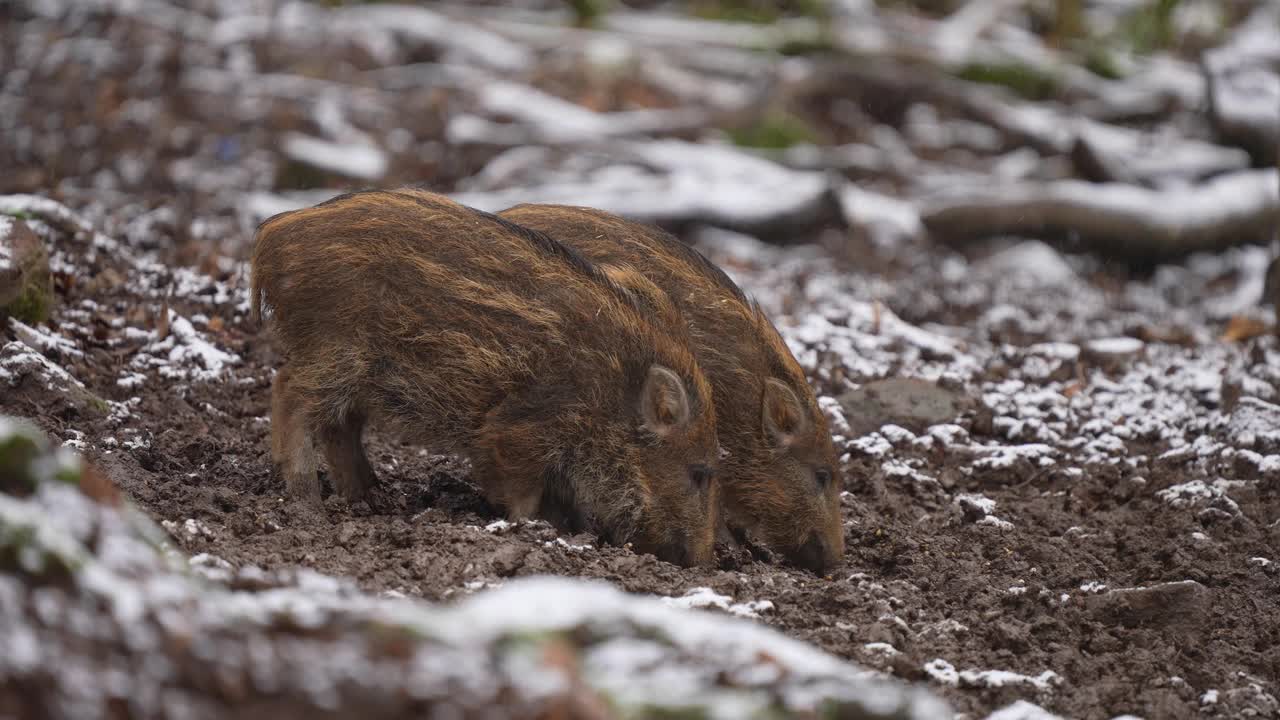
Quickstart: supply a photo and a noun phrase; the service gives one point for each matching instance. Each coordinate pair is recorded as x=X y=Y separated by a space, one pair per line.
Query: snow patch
x=1024 y=710
x=945 y=673
x=882 y=648
x=704 y=597
x=499 y=526
x=363 y=162
x=562 y=543
x=184 y=354
x=44 y=339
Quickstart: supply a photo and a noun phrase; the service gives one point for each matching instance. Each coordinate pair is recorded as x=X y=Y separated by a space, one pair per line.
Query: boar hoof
x=356 y=487
x=305 y=488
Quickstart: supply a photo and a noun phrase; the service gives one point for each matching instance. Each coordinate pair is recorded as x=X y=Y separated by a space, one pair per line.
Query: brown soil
x=920 y=574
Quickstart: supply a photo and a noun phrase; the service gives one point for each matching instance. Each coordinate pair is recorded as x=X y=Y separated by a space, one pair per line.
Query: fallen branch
x=1243 y=79
x=549 y=119
x=1107 y=153
x=676 y=183
x=1117 y=220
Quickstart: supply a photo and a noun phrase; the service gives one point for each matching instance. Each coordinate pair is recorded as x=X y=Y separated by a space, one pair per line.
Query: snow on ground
x=18 y=360
x=6 y=224
x=945 y=672
x=703 y=597
x=184 y=354
x=44 y=340
x=362 y=162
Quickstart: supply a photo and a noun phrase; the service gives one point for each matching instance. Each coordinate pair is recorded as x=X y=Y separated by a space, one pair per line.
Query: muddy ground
x=1095 y=531
x=934 y=587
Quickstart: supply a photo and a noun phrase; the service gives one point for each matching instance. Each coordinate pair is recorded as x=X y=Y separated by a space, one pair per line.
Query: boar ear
x=783 y=415
x=664 y=404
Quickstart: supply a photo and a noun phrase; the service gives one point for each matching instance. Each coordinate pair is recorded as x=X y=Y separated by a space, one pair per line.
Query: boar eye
x=700 y=476
x=823 y=477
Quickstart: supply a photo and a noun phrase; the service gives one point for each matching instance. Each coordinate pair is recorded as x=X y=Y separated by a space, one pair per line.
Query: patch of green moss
x=743 y=12
x=1101 y=61
x=815 y=45
x=20 y=214
x=776 y=131
x=1151 y=27
x=25 y=550
x=68 y=473
x=1024 y=80
x=32 y=305
x=26 y=459
x=19 y=451
x=1068 y=21
x=587 y=13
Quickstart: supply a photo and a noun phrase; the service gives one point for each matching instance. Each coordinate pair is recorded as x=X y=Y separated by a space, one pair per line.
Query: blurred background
x=872 y=127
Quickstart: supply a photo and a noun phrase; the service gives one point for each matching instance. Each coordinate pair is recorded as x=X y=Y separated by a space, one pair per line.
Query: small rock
x=1112 y=353
x=909 y=402
x=972 y=508
x=508 y=559
x=355 y=160
x=348 y=533
x=1032 y=263
x=1182 y=603
x=1255 y=424
x=26 y=285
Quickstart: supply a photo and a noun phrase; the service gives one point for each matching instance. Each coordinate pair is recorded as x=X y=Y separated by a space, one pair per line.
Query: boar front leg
x=292 y=450
x=505 y=465
x=352 y=475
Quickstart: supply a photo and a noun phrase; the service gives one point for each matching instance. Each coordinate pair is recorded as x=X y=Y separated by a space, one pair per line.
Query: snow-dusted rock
x=910 y=402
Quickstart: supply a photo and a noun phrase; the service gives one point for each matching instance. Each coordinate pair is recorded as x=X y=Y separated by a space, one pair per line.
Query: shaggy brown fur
x=779 y=476
x=571 y=389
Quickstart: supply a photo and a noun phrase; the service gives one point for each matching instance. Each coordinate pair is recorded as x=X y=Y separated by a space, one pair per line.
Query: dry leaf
x=1167 y=335
x=1243 y=327
x=1073 y=389
x=162 y=323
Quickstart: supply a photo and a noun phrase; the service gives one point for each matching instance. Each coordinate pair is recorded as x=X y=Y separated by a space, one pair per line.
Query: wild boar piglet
x=570 y=387
x=779 y=479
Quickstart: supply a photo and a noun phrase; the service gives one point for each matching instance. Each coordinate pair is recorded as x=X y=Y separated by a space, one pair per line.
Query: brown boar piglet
x=575 y=396
x=779 y=478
